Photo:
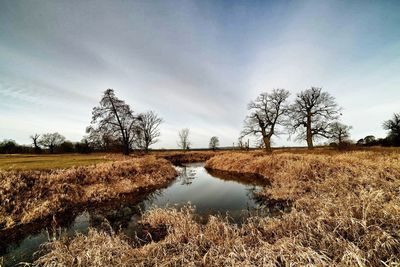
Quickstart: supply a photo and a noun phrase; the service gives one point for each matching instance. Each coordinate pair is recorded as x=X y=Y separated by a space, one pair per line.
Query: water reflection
x=209 y=192
x=186 y=175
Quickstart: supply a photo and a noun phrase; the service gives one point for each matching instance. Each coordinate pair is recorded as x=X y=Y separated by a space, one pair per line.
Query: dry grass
x=28 y=196
x=346 y=212
x=10 y=162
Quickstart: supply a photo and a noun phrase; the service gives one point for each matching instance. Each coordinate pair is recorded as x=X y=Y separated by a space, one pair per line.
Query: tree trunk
x=267 y=143
x=309 y=133
x=126 y=148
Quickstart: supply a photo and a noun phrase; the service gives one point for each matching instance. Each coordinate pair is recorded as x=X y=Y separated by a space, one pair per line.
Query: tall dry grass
x=28 y=196
x=346 y=212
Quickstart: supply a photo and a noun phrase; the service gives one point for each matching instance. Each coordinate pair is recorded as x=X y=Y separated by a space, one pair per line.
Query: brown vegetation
x=346 y=209
x=28 y=196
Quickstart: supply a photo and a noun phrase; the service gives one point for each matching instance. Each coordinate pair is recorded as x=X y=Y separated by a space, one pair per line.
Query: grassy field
x=345 y=212
x=45 y=162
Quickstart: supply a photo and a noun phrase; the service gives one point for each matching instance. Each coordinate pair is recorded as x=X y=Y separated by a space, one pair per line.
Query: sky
x=197 y=64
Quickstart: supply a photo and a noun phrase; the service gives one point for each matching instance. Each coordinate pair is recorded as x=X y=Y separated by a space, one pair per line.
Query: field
x=341 y=209
x=48 y=161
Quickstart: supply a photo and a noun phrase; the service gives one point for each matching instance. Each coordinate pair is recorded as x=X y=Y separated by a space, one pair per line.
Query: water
x=209 y=193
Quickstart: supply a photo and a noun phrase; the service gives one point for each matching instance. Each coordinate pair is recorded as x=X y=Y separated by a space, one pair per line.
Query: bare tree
x=339 y=132
x=240 y=143
x=148 y=130
x=266 y=112
x=183 y=141
x=114 y=116
x=35 y=139
x=311 y=115
x=393 y=126
x=214 y=142
x=51 y=140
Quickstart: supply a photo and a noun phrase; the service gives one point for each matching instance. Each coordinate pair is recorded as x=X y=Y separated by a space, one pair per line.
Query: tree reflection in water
x=186 y=175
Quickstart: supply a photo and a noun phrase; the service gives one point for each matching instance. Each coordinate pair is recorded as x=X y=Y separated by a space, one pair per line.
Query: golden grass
x=10 y=162
x=28 y=196
x=346 y=212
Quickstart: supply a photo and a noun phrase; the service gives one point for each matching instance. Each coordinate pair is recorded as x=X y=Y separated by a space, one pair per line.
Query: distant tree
x=393 y=126
x=184 y=142
x=51 y=140
x=83 y=146
x=35 y=140
x=114 y=117
x=9 y=146
x=339 y=132
x=361 y=142
x=214 y=143
x=66 y=147
x=148 y=130
x=266 y=112
x=240 y=143
x=311 y=115
x=370 y=140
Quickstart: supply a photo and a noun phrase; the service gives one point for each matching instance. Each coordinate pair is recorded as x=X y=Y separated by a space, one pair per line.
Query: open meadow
x=321 y=207
x=10 y=162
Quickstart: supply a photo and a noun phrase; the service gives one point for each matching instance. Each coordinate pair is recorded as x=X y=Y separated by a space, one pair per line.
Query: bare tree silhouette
x=214 y=143
x=311 y=115
x=113 y=116
x=339 y=132
x=35 y=139
x=51 y=140
x=148 y=130
x=266 y=112
x=183 y=141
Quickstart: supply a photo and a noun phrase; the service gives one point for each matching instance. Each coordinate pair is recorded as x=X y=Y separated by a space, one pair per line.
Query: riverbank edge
x=77 y=205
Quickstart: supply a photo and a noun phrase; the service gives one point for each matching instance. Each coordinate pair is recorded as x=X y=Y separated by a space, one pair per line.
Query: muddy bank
x=247 y=177
x=179 y=158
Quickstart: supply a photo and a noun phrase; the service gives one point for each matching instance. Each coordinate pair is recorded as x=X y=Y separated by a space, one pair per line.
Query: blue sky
x=196 y=63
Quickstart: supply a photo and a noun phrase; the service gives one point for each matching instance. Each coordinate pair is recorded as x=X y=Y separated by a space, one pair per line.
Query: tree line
x=116 y=127
x=42 y=143
x=313 y=114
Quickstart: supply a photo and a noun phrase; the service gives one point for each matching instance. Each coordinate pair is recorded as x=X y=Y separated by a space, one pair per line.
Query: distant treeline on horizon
x=116 y=128
x=9 y=146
